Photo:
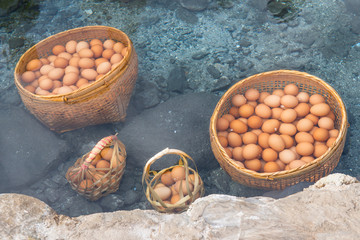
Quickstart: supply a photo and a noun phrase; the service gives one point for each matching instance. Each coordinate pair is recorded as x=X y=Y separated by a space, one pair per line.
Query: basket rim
x=81 y=91
x=285 y=173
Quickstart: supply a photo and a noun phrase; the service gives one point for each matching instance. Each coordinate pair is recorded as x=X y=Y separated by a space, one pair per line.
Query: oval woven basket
x=103 y=101
x=268 y=81
x=150 y=179
x=102 y=181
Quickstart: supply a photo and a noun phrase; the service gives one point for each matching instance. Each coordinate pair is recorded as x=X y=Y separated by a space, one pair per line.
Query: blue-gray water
x=211 y=45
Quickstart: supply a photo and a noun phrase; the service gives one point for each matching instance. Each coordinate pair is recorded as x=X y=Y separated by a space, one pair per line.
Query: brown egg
x=58 y=49
x=249 y=137
x=269 y=155
x=246 y=110
x=109 y=43
x=103 y=68
x=307 y=159
x=234 y=139
x=320 y=149
x=223 y=133
x=272 y=101
x=163 y=192
x=28 y=76
x=178 y=173
x=228 y=151
x=60 y=62
x=254 y=122
x=270 y=125
x=72 y=69
x=116 y=58
x=276 y=142
x=304 y=148
x=106 y=153
x=98 y=61
x=316 y=99
x=263 y=111
x=222 y=124
x=333 y=133
x=320 y=109
x=223 y=141
x=296 y=163
x=278 y=92
x=287 y=156
x=82 y=45
x=291 y=89
x=107 y=53
x=118 y=47
x=289 y=141
x=326 y=122
x=42 y=78
x=70 y=46
x=30 y=88
x=181 y=186
x=175 y=198
x=331 y=115
x=65 y=90
x=103 y=165
x=303 y=97
x=252 y=94
x=288 y=115
x=289 y=101
x=167 y=179
x=74 y=61
x=251 y=151
x=262 y=96
x=238 y=126
x=304 y=125
x=276 y=113
x=158 y=185
x=302 y=109
x=263 y=140
x=44 y=61
x=45 y=69
x=229 y=117
x=237 y=153
x=86 y=63
x=313 y=130
x=46 y=84
x=253 y=164
x=95 y=41
x=34 y=65
x=89 y=74
x=40 y=91
x=330 y=141
x=56 y=73
x=97 y=51
x=304 y=137
x=271 y=167
x=65 y=55
x=124 y=51
x=321 y=134
x=82 y=82
x=234 y=111
x=86 y=53
x=85 y=185
x=313 y=118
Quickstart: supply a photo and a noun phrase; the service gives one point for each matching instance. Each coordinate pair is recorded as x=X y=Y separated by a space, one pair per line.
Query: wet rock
x=259 y=4
x=131 y=197
x=7 y=6
x=111 y=202
x=81 y=206
x=30 y=149
x=214 y=72
x=352 y=6
x=191 y=5
x=199 y=55
x=220 y=84
x=147 y=97
x=176 y=80
x=182 y=122
x=186 y=16
x=16 y=42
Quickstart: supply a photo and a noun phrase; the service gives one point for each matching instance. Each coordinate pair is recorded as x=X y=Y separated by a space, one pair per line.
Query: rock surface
x=30 y=151
x=329 y=210
x=182 y=122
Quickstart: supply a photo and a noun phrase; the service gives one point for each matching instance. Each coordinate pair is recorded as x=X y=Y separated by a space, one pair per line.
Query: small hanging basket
x=171 y=195
x=98 y=173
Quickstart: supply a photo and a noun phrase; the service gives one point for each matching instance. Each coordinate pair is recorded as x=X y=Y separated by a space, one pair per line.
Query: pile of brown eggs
x=282 y=130
x=173 y=187
x=72 y=66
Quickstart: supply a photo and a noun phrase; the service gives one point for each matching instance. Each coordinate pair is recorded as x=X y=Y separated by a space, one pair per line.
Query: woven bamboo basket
x=104 y=101
x=151 y=178
x=311 y=172
x=94 y=182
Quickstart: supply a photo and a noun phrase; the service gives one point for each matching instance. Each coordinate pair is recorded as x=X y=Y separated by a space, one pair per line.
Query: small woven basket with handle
x=267 y=82
x=93 y=182
x=151 y=178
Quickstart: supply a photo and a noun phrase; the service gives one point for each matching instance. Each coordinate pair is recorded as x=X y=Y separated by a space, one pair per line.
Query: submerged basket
x=103 y=101
x=268 y=81
x=100 y=184
x=150 y=179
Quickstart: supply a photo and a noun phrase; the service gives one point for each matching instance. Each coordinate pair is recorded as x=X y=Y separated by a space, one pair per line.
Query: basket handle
x=97 y=149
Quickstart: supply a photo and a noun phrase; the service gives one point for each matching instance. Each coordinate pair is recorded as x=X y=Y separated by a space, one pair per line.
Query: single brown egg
x=72 y=69
x=249 y=137
x=82 y=82
x=246 y=110
x=106 y=153
x=272 y=101
x=163 y=192
x=103 y=166
x=288 y=115
x=326 y=122
x=271 y=167
x=237 y=153
x=234 y=111
x=229 y=117
x=56 y=73
x=89 y=74
x=287 y=156
x=86 y=53
x=253 y=164
x=307 y=159
x=103 y=68
x=263 y=140
x=70 y=46
x=65 y=90
x=302 y=109
x=263 y=111
x=269 y=155
x=86 y=63
x=46 y=84
x=30 y=88
x=333 y=133
x=82 y=45
x=58 y=49
x=238 y=126
x=304 y=125
x=291 y=89
x=289 y=101
x=108 y=53
x=251 y=151
x=238 y=100
x=296 y=164
x=270 y=125
x=278 y=92
x=330 y=141
x=60 y=62
x=95 y=41
x=234 y=139
x=65 y=55
x=28 y=76
x=167 y=179
x=228 y=151
x=34 y=65
x=178 y=173
x=222 y=124
x=254 y=122
x=303 y=97
x=175 y=198
x=316 y=99
x=118 y=47
x=252 y=94
x=320 y=109
x=321 y=134
x=276 y=142
x=223 y=141
x=276 y=113
x=305 y=148
x=320 y=150
x=304 y=137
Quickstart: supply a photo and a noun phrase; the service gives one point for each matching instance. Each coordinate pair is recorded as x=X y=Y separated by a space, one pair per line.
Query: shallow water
x=216 y=47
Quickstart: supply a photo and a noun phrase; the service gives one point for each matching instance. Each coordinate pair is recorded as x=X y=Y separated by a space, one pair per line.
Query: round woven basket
x=103 y=180
x=151 y=178
x=269 y=81
x=103 y=101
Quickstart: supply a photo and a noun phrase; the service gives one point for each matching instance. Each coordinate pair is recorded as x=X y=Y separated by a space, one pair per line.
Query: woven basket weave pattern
x=104 y=101
x=270 y=81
